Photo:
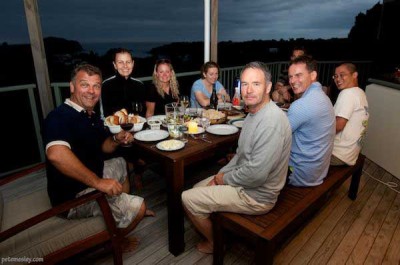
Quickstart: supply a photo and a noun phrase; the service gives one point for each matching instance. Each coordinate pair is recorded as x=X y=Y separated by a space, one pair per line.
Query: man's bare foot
x=149 y=213
x=205 y=247
x=129 y=244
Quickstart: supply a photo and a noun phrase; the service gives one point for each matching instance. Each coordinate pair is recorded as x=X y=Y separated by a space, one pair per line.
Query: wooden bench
x=294 y=207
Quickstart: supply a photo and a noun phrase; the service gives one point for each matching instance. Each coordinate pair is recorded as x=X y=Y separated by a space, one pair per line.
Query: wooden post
x=214 y=30
x=39 y=55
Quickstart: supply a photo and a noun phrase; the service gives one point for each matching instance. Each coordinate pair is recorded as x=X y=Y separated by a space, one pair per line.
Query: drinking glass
x=205 y=122
x=185 y=101
x=170 y=112
x=126 y=127
x=223 y=98
x=173 y=130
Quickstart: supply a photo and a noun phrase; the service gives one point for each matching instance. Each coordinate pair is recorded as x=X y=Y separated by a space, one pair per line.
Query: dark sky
x=182 y=20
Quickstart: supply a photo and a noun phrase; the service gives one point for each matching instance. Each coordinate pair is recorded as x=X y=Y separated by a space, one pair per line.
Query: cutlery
x=199 y=138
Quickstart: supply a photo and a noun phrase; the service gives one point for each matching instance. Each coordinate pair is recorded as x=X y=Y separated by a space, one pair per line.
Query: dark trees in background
x=373 y=37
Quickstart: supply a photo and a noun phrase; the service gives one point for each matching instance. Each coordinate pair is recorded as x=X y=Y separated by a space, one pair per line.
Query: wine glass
x=137 y=108
x=223 y=97
x=126 y=127
x=185 y=101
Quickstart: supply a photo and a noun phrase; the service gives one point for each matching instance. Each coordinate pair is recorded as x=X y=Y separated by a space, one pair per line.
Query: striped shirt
x=312 y=119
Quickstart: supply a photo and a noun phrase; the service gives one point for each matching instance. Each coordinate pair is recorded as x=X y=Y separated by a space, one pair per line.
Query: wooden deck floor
x=364 y=231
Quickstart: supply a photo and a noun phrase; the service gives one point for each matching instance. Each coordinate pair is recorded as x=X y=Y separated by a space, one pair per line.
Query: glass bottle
x=236 y=97
x=214 y=99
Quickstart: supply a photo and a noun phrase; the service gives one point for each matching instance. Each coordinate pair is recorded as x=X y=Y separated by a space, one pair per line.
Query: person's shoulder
x=61 y=112
x=135 y=80
x=198 y=84
x=109 y=79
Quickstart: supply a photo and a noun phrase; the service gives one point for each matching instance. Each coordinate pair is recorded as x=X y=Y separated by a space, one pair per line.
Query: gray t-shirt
x=261 y=161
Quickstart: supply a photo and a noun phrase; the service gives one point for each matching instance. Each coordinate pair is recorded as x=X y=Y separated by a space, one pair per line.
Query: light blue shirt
x=312 y=119
x=198 y=85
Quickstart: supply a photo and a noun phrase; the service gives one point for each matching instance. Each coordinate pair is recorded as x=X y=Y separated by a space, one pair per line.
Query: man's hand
x=219 y=178
x=109 y=186
x=124 y=137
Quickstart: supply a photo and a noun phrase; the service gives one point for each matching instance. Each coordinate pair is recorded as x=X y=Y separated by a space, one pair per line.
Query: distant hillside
x=373 y=37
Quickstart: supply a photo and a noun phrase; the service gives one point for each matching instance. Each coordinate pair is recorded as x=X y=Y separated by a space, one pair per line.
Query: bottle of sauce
x=236 y=97
x=214 y=99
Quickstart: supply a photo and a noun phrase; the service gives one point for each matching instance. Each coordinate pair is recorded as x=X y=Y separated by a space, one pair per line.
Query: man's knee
x=185 y=197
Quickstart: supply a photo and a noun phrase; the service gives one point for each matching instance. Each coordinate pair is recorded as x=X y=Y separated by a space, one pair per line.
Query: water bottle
x=214 y=99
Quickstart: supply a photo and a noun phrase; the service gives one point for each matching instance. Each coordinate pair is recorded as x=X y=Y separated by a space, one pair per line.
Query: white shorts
x=202 y=200
x=124 y=207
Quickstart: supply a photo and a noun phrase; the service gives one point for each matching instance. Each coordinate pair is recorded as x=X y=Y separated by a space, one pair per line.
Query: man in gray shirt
x=251 y=182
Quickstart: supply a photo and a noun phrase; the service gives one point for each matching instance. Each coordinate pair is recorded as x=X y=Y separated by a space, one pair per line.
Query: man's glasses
x=341 y=75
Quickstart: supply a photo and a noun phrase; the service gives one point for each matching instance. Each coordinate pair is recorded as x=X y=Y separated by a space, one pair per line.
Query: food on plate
x=234 y=114
x=215 y=116
x=121 y=117
x=170 y=144
x=187 y=117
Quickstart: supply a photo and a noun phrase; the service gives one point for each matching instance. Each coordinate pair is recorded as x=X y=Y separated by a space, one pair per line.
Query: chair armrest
x=94 y=195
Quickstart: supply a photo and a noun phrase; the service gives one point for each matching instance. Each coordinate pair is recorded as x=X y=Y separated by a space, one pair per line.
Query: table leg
x=175 y=182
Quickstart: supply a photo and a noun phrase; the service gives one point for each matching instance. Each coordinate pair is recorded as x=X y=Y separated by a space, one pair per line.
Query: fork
x=199 y=138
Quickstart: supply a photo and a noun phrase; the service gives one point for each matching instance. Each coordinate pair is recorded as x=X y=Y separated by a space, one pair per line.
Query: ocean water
x=139 y=49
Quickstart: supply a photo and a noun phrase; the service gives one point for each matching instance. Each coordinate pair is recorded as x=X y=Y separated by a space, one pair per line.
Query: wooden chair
x=31 y=228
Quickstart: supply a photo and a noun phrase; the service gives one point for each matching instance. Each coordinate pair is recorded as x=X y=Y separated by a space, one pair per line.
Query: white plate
x=225 y=105
x=222 y=129
x=237 y=122
x=199 y=130
x=151 y=135
x=170 y=145
x=240 y=107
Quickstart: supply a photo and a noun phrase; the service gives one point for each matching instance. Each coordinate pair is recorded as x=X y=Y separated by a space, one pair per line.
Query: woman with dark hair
x=163 y=90
x=202 y=88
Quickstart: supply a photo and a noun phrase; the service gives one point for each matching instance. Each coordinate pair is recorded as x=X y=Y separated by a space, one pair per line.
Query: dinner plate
x=225 y=105
x=222 y=129
x=199 y=130
x=240 y=107
x=151 y=135
x=170 y=145
x=237 y=122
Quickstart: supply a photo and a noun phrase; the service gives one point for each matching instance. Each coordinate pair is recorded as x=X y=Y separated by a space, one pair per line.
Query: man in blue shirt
x=312 y=120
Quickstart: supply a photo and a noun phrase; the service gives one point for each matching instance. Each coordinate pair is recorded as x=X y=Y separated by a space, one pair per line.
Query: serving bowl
x=136 y=126
x=114 y=128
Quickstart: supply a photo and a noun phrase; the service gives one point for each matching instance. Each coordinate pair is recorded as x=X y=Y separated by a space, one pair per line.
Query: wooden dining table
x=174 y=163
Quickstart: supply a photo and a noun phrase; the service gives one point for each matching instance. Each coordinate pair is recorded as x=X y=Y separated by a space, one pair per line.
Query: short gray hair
x=261 y=66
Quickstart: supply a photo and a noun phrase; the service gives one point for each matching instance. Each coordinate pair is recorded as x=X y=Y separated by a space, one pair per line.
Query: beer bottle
x=214 y=99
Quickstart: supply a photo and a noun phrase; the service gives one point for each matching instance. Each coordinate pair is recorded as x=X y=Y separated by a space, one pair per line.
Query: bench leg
x=264 y=252
x=218 y=235
x=355 y=180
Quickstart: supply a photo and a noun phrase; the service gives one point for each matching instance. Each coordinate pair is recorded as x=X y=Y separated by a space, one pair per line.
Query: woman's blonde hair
x=173 y=83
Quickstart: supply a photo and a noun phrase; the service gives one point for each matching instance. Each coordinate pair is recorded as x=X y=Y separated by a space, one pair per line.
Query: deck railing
x=28 y=150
